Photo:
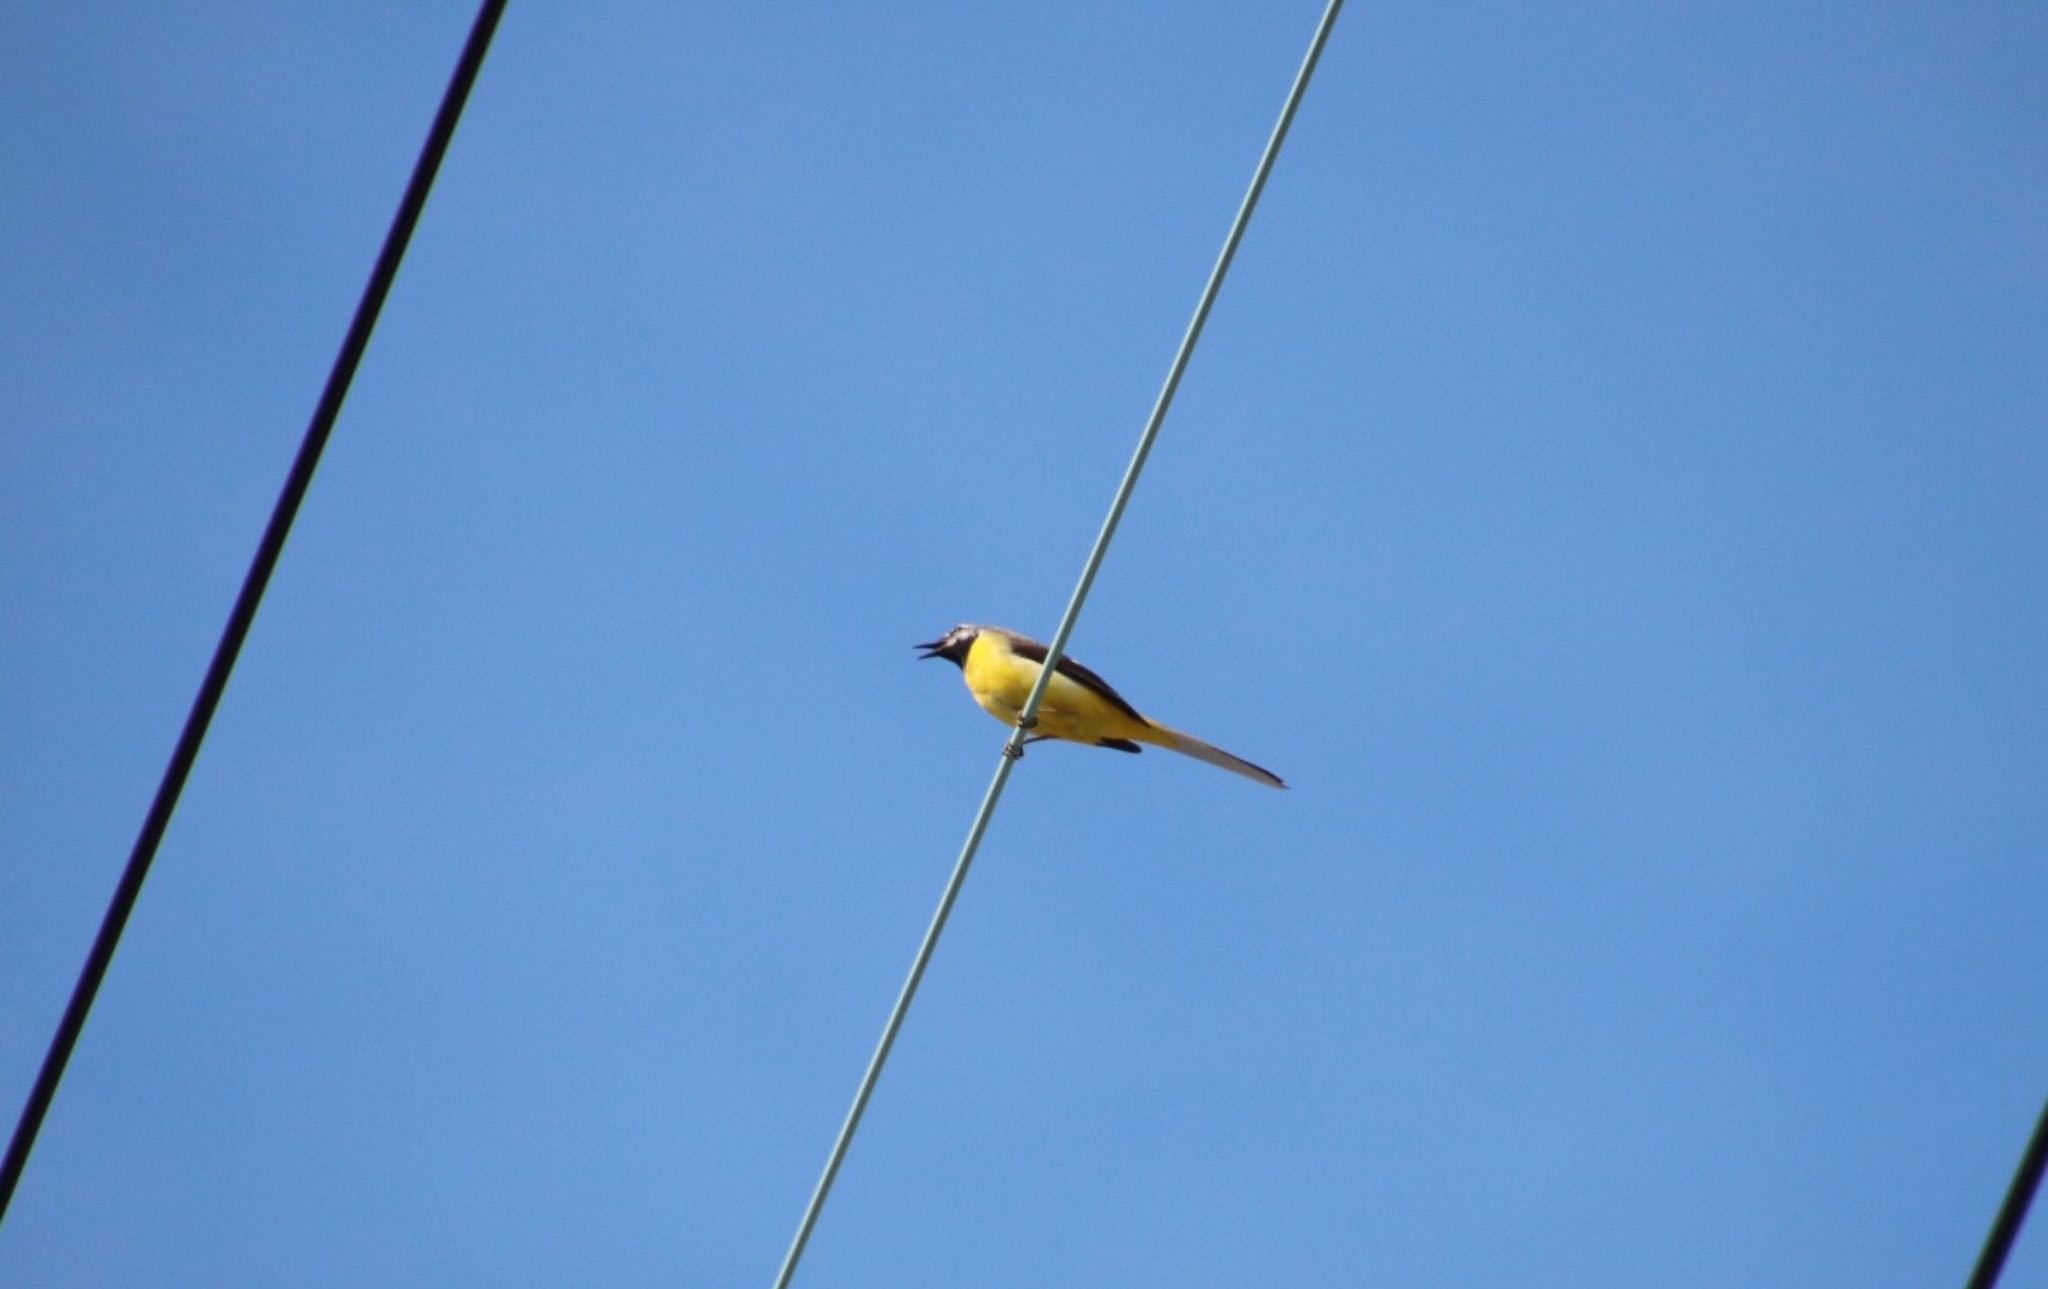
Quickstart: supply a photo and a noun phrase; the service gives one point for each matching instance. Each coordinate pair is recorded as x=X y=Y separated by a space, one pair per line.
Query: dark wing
x=1120 y=744
x=1075 y=672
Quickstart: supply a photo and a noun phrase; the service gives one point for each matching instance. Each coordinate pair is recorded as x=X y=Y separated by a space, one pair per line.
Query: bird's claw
x=1015 y=751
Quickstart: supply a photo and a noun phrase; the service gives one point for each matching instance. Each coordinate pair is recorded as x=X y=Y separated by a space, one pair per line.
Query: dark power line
x=244 y=612
x=2005 y=1228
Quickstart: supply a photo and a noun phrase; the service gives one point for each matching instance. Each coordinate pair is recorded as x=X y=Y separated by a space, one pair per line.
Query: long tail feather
x=1189 y=745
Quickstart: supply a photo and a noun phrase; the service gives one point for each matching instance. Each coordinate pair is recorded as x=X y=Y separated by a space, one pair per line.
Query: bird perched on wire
x=1001 y=667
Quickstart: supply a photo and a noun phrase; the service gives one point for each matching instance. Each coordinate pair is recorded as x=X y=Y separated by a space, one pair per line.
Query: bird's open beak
x=930 y=650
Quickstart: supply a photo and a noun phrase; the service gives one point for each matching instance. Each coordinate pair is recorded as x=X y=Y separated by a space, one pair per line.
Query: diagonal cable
x=2019 y=1197
x=243 y=614
x=1014 y=745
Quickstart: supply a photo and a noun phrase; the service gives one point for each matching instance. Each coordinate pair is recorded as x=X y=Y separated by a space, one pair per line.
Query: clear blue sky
x=1611 y=491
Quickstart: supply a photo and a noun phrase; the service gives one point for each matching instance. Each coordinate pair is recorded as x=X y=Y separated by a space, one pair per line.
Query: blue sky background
x=1610 y=491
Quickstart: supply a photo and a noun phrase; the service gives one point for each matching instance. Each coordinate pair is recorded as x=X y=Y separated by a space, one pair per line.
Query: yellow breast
x=1000 y=681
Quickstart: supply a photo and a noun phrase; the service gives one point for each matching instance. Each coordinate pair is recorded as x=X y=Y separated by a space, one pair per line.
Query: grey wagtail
x=1001 y=667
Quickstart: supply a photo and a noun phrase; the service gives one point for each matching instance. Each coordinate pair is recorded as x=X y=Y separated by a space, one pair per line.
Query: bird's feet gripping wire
x=1015 y=751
